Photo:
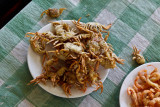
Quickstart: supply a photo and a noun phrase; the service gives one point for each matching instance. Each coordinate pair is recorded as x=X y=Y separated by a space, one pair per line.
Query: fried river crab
x=81 y=50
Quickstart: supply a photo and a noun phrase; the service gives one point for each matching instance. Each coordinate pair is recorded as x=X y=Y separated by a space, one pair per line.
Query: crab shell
x=55 y=12
x=139 y=59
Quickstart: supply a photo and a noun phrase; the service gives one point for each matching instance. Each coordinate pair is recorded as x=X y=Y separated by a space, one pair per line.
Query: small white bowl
x=35 y=67
x=124 y=98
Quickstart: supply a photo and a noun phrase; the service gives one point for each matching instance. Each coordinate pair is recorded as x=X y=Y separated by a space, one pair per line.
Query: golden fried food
x=54 y=13
x=137 y=56
x=146 y=89
x=81 y=51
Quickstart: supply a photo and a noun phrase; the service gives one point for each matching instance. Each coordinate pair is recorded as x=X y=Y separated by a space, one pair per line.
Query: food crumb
x=87 y=15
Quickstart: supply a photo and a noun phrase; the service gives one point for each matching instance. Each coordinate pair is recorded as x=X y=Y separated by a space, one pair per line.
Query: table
x=135 y=23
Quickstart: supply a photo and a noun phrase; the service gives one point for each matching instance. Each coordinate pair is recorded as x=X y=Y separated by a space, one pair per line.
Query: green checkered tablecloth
x=135 y=22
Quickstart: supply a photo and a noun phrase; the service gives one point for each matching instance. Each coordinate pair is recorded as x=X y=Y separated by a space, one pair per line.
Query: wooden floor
x=9 y=8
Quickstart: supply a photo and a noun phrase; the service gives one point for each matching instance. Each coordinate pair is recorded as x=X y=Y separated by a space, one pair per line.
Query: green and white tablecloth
x=135 y=22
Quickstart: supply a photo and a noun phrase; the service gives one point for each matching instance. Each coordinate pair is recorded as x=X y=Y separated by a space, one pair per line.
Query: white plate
x=124 y=98
x=34 y=63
